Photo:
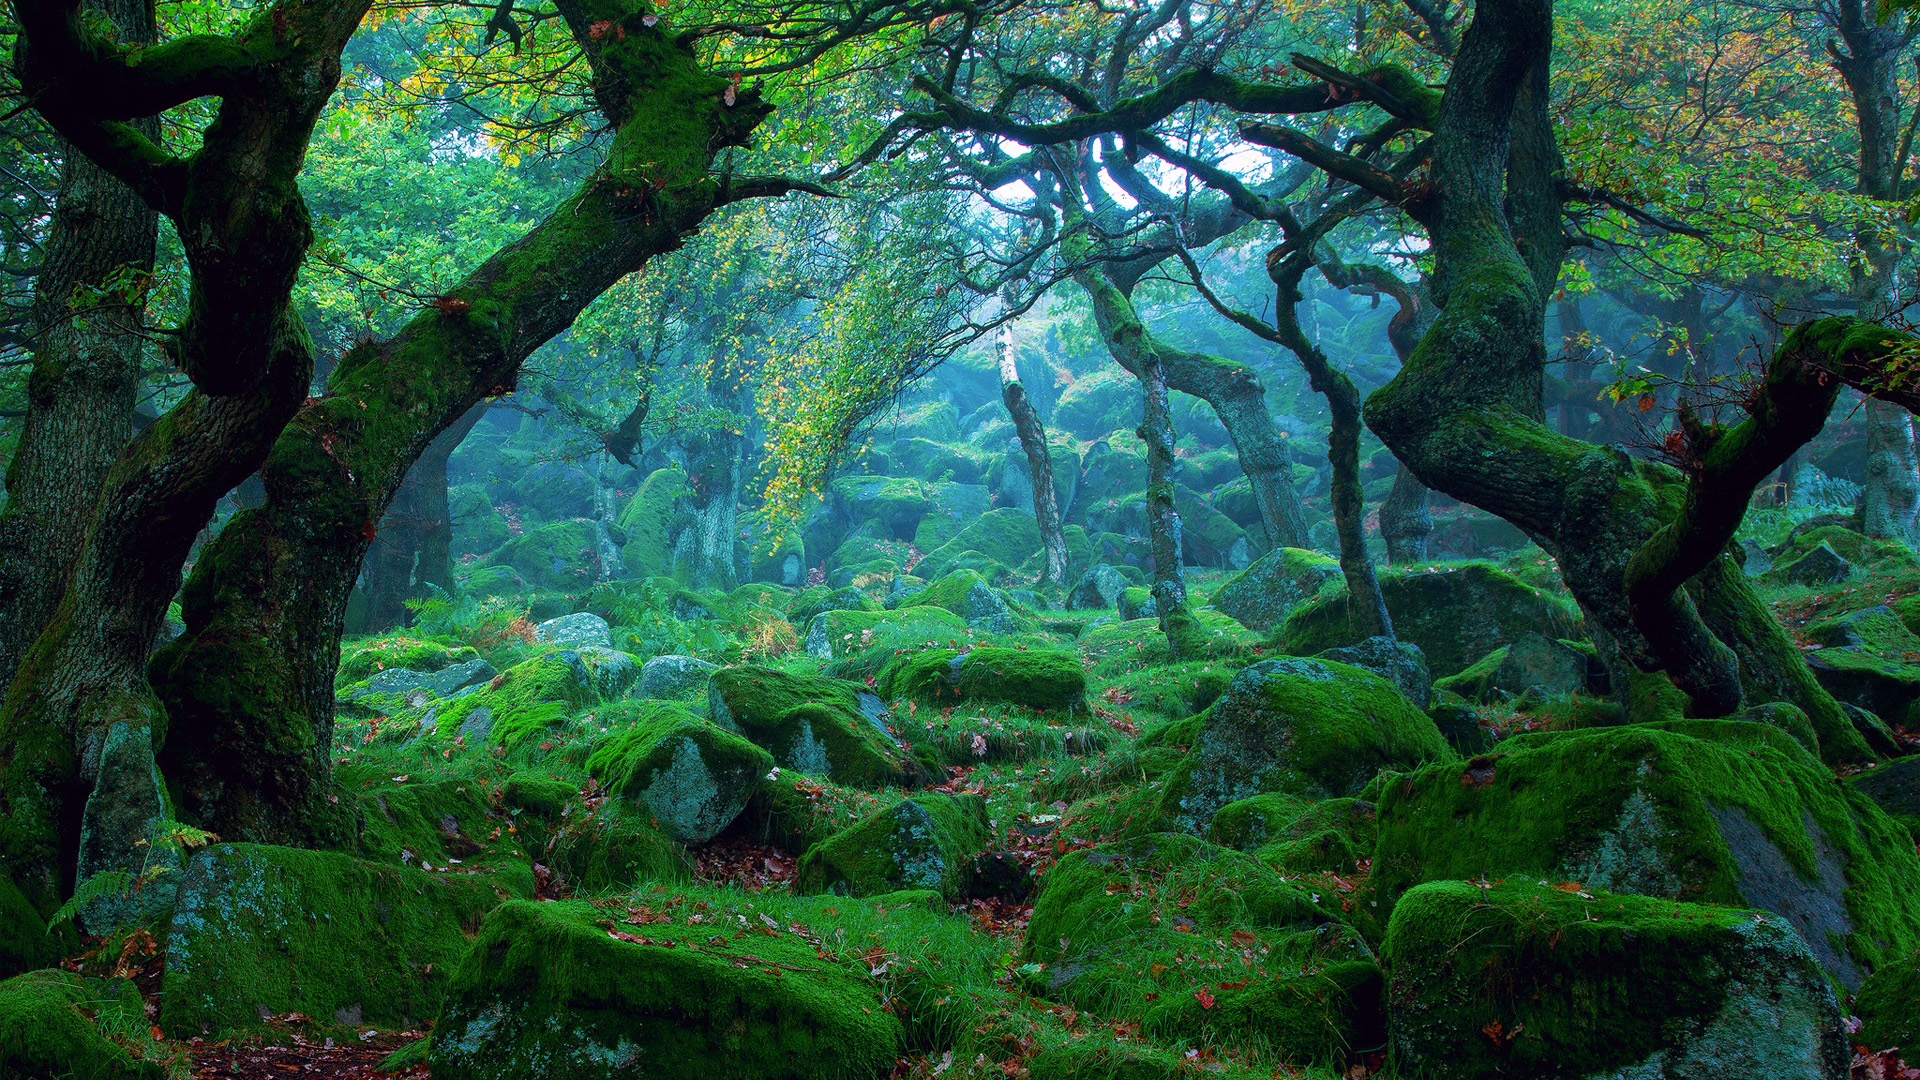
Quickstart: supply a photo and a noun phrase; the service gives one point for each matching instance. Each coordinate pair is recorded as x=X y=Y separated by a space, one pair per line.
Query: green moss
x=966 y=593
x=1172 y=692
x=564 y=556
x=1888 y=1006
x=926 y=842
x=1871 y=660
x=434 y=821
x=827 y=727
x=1473 y=683
x=262 y=930
x=1006 y=536
x=1854 y=547
x=649 y=519
x=1524 y=979
x=837 y=635
x=1706 y=811
x=1138 y=644
x=548 y=992
x=1456 y=613
x=522 y=701
x=1250 y=823
x=614 y=847
x=691 y=777
x=55 y=1024
x=1306 y=727
x=1265 y=593
x=1035 y=678
x=1333 y=835
x=360 y=660
x=24 y=941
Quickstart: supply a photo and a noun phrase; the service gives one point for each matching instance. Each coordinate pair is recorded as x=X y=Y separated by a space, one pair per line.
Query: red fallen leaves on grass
x=743 y=864
x=1000 y=917
x=341 y=1060
x=1881 y=1065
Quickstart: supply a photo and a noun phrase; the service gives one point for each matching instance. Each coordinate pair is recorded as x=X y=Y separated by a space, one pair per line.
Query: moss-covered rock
x=259 y=930
x=1856 y=548
x=1706 y=811
x=24 y=942
x=522 y=701
x=650 y=520
x=1888 y=1006
x=563 y=556
x=362 y=659
x=1815 y=569
x=1005 y=536
x=579 y=628
x=430 y=821
x=674 y=677
x=966 y=594
x=1895 y=788
x=1304 y=727
x=1099 y=587
x=926 y=842
x=836 y=635
x=616 y=846
x=827 y=727
x=1523 y=979
x=562 y=991
x=1870 y=660
x=1137 y=603
x=1265 y=593
x=887 y=508
x=1331 y=836
x=478 y=527
x=1246 y=824
x=691 y=777
x=1035 y=678
x=1203 y=942
x=55 y=1024
x=1456 y=613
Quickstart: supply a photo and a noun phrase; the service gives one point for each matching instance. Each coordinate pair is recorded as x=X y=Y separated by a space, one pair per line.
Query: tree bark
x=1891 y=495
x=1033 y=441
x=1185 y=639
x=86 y=324
x=1405 y=520
x=1232 y=389
x=413 y=546
x=251 y=681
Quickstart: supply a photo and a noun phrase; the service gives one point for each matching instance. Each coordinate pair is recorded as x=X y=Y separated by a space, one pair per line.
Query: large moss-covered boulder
x=1456 y=614
x=650 y=520
x=260 y=930
x=369 y=656
x=1888 y=1006
x=887 y=508
x=691 y=777
x=966 y=594
x=836 y=635
x=1855 y=547
x=522 y=701
x=1036 y=678
x=1203 y=943
x=1870 y=660
x=926 y=842
x=1265 y=593
x=827 y=727
x=1525 y=979
x=1006 y=537
x=563 y=556
x=1895 y=788
x=51 y=1025
x=564 y=992
x=1707 y=811
x=674 y=676
x=1100 y=587
x=1301 y=726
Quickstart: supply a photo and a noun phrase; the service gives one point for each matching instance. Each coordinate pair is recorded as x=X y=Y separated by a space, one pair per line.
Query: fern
x=107 y=883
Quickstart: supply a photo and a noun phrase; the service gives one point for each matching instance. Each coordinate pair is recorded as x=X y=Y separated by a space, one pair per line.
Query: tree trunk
x=1892 y=492
x=1033 y=441
x=251 y=681
x=1232 y=389
x=1185 y=640
x=413 y=545
x=1405 y=521
x=86 y=322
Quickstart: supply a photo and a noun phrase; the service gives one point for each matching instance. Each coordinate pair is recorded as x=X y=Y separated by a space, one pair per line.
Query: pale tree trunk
x=1185 y=640
x=1892 y=493
x=1405 y=520
x=413 y=545
x=1033 y=441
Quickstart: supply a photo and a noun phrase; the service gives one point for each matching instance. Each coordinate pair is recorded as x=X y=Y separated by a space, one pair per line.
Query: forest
x=1124 y=539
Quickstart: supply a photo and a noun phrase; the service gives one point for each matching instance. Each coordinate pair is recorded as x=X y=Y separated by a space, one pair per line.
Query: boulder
x=966 y=594
x=1035 y=678
x=1006 y=537
x=1305 y=727
x=1099 y=588
x=1265 y=593
x=524 y=700
x=1541 y=666
x=1895 y=788
x=1297 y=837
x=580 y=628
x=926 y=842
x=1871 y=660
x=691 y=777
x=563 y=556
x=1705 y=811
x=1399 y=662
x=827 y=727
x=1784 y=717
x=1525 y=979
x=549 y=993
x=1456 y=614
x=368 y=658
x=1203 y=943
x=1888 y=1006
x=443 y=683
x=1819 y=567
x=24 y=942
x=836 y=635
x=261 y=930
x=674 y=676
x=1138 y=604
x=51 y=1025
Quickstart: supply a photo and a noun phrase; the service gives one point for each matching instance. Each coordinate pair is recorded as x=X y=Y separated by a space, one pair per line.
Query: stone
x=54 y=1024
x=1872 y=661
x=1099 y=588
x=580 y=628
x=1895 y=788
x=674 y=676
x=835 y=635
x=1265 y=593
x=1542 y=666
x=1819 y=567
x=691 y=777
x=1035 y=678
x=926 y=842
x=1399 y=662
x=827 y=727
x=1137 y=603
x=967 y=594
x=441 y=684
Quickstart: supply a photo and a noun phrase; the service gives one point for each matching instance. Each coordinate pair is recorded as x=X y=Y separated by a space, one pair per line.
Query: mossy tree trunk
x=1033 y=442
x=251 y=682
x=1185 y=639
x=80 y=722
x=85 y=326
x=413 y=545
x=1891 y=497
x=1405 y=520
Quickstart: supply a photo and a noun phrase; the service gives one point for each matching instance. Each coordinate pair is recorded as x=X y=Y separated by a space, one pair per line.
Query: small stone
x=1100 y=587
x=674 y=676
x=1537 y=664
x=580 y=628
x=1821 y=566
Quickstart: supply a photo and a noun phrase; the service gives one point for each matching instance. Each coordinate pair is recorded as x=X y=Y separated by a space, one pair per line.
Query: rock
x=1821 y=566
x=1754 y=559
x=563 y=556
x=690 y=607
x=365 y=660
x=610 y=672
x=926 y=842
x=51 y=1025
x=441 y=684
x=1871 y=661
x=1524 y=979
x=1099 y=588
x=674 y=676
x=835 y=635
x=1707 y=811
x=522 y=701
x=1787 y=718
x=1138 y=604
x=1541 y=666
x=1005 y=537
x=1035 y=678
x=691 y=777
x=1456 y=615
x=1895 y=788
x=549 y=994
x=1265 y=593
x=1459 y=724
x=1888 y=1006
x=1300 y=726
x=1138 y=927
x=827 y=727
x=580 y=628
x=967 y=594
x=1399 y=662
x=261 y=930
x=24 y=941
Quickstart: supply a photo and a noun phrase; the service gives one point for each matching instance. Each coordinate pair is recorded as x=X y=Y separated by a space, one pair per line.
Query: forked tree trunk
x=1033 y=441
